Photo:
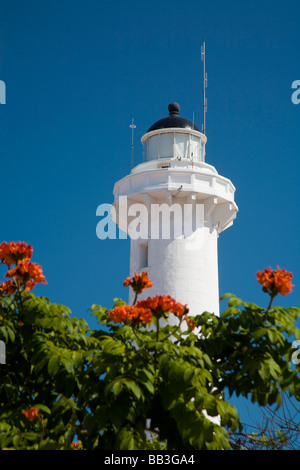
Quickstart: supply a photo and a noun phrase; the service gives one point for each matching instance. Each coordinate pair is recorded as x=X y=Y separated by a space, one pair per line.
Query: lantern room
x=174 y=137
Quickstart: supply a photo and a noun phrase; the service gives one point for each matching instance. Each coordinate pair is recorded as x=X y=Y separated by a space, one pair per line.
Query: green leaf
x=3 y=333
x=134 y=388
x=188 y=374
x=53 y=365
x=77 y=358
x=127 y=443
x=119 y=302
x=259 y=333
x=297 y=333
x=117 y=387
x=112 y=346
x=226 y=296
x=274 y=335
x=11 y=334
x=44 y=409
x=210 y=405
x=150 y=387
x=235 y=302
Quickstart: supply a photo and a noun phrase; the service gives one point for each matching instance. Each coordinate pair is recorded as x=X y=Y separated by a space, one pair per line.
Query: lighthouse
x=174 y=206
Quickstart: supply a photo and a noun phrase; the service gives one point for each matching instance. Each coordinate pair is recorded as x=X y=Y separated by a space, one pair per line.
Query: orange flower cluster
x=161 y=304
x=143 y=311
x=134 y=314
x=31 y=414
x=275 y=281
x=76 y=445
x=138 y=282
x=7 y=287
x=25 y=273
x=12 y=253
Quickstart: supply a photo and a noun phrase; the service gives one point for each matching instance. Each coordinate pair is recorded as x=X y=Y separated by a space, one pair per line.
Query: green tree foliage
x=136 y=385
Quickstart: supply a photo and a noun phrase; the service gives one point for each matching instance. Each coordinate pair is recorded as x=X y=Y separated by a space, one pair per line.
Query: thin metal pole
x=204 y=87
x=132 y=127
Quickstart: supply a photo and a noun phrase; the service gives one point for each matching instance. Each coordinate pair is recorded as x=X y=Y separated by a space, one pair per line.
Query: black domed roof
x=173 y=120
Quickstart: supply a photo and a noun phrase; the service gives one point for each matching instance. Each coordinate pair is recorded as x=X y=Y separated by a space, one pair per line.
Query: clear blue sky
x=77 y=72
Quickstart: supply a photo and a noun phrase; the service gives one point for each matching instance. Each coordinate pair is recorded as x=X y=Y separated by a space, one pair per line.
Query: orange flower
x=161 y=304
x=4 y=252
x=144 y=315
x=76 y=445
x=119 y=314
x=28 y=274
x=127 y=282
x=134 y=314
x=138 y=282
x=190 y=323
x=8 y=287
x=31 y=414
x=179 y=309
x=275 y=281
x=13 y=252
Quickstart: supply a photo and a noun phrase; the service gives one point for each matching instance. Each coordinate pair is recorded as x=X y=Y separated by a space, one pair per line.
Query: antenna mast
x=204 y=87
x=132 y=127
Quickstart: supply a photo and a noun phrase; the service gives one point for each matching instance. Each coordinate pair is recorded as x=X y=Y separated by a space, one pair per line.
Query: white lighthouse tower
x=174 y=205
